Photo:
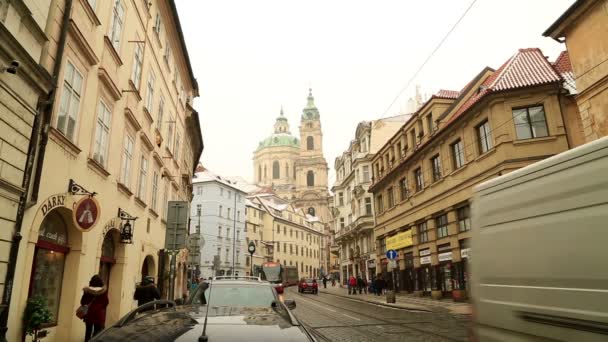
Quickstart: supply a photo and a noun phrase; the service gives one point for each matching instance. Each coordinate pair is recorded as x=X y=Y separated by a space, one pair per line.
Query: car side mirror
x=290 y=304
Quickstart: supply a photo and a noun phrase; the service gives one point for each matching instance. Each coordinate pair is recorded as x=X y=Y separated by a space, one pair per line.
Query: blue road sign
x=391 y=254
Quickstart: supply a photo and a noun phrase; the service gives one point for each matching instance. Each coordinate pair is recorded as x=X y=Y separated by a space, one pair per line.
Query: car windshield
x=308 y=280
x=235 y=295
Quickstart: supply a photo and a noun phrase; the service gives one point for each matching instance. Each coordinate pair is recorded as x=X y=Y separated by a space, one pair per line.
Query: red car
x=308 y=285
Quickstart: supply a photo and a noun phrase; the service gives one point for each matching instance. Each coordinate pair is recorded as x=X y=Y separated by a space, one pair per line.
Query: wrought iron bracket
x=123 y=215
x=77 y=189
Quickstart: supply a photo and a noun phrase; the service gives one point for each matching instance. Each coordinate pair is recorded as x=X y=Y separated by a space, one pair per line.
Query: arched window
x=310 y=178
x=286 y=170
x=49 y=260
x=294 y=172
x=311 y=211
x=276 y=171
x=259 y=173
x=310 y=143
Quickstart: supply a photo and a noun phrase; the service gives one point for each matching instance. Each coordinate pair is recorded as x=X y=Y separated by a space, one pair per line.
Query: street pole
x=171 y=275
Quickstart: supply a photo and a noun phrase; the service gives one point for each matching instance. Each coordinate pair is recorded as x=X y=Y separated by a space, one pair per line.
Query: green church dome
x=279 y=139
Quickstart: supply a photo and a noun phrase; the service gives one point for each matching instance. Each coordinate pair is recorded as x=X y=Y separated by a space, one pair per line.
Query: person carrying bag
x=93 y=304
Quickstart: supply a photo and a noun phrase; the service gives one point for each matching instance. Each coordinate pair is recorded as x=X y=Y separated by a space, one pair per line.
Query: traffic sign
x=392 y=264
x=391 y=254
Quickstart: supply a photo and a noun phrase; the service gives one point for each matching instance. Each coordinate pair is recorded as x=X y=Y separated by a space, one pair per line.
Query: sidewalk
x=404 y=301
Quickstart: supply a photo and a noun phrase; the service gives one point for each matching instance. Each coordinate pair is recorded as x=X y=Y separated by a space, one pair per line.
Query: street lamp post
x=251 y=249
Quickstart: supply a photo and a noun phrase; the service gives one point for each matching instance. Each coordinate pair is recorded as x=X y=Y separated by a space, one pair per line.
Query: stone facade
x=353 y=213
x=424 y=175
x=120 y=125
x=584 y=27
x=294 y=168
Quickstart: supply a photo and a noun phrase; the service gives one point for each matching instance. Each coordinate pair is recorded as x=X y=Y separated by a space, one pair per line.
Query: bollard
x=390 y=296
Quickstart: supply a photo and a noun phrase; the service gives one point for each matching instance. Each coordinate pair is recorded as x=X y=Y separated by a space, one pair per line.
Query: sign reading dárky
x=398 y=241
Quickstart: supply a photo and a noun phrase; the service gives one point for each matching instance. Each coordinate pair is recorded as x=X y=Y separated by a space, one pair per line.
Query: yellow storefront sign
x=400 y=240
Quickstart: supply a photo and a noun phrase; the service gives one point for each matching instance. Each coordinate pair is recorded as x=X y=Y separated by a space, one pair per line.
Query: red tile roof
x=562 y=63
x=528 y=67
x=447 y=94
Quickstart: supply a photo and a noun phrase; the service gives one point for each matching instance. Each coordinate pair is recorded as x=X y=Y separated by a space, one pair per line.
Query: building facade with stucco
x=293 y=167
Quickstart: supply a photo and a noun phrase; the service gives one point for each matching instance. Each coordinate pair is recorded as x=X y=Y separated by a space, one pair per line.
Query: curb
x=377 y=303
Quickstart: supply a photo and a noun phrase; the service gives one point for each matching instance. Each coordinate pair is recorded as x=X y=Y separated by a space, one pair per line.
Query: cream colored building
x=285 y=234
x=294 y=168
x=423 y=177
x=122 y=131
x=353 y=205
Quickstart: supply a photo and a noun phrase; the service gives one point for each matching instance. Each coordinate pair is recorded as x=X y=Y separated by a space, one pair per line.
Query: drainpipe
x=44 y=113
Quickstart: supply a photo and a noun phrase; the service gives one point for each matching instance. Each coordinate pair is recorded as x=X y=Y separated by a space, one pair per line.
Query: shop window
x=49 y=262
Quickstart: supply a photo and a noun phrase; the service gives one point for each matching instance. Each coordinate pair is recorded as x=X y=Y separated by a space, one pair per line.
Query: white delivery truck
x=539 y=261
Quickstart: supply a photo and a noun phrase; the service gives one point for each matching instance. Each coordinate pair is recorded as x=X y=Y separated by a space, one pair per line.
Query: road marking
x=321 y=306
x=355 y=318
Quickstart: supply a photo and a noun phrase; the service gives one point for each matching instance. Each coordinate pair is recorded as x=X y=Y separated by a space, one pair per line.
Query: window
x=157 y=24
x=403 y=189
x=137 y=61
x=238 y=216
x=102 y=132
x=222 y=192
x=290 y=249
x=310 y=143
x=413 y=136
x=380 y=204
x=118 y=16
x=92 y=3
x=419 y=179
x=436 y=164
x=530 y=122
x=228 y=213
x=70 y=101
x=220 y=211
x=259 y=173
x=423 y=232
x=365 y=173
x=429 y=123
x=391 y=197
x=169 y=143
x=285 y=230
x=143 y=174
x=176 y=149
x=464 y=218
x=484 y=137
x=159 y=115
x=276 y=170
x=127 y=158
x=399 y=151
x=368 y=206
x=154 y=189
x=382 y=246
x=340 y=198
x=420 y=128
x=342 y=222
x=164 y=203
x=199 y=190
x=238 y=235
x=457 y=154
x=310 y=178
x=442 y=226
x=228 y=232
x=199 y=209
x=278 y=229
x=150 y=93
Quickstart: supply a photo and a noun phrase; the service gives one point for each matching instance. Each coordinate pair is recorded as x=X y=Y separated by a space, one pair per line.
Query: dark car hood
x=224 y=324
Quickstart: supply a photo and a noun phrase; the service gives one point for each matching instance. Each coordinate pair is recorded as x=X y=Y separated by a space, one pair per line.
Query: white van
x=539 y=263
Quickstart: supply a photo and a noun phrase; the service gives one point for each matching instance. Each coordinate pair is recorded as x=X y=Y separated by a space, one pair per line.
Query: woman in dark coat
x=96 y=297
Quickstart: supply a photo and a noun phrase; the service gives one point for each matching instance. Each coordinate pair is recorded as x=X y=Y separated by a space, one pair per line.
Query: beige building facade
x=295 y=168
x=285 y=234
x=423 y=176
x=120 y=140
x=353 y=206
x=584 y=27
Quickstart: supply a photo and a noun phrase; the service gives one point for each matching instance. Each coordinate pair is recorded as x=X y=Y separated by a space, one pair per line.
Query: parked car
x=539 y=234
x=221 y=310
x=308 y=285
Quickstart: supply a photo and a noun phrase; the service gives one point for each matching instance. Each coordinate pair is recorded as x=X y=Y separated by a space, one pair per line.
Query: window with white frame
x=169 y=144
x=70 y=102
x=116 y=26
x=160 y=114
x=177 y=146
x=154 y=189
x=150 y=92
x=143 y=177
x=127 y=159
x=102 y=132
x=137 y=62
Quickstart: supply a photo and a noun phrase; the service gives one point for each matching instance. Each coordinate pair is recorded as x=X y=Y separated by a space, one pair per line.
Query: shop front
x=371 y=267
x=461 y=273
x=425 y=274
x=408 y=273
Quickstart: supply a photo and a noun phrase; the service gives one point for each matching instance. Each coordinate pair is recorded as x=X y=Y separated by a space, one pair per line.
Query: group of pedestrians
x=94 y=302
x=358 y=284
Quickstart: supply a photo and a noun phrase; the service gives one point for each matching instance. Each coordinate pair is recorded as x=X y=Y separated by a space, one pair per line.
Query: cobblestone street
x=336 y=318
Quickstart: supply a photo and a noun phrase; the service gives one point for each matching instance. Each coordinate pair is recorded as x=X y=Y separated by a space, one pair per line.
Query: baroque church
x=293 y=167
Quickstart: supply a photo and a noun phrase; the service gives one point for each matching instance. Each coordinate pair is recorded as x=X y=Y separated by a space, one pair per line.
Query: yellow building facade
x=501 y=121
x=584 y=28
x=120 y=140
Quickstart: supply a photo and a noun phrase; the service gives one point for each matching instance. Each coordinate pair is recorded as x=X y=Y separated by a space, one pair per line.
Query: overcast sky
x=251 y=57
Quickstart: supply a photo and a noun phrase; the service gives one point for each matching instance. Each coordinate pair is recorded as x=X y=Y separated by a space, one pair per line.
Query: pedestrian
x=324 y=282
x=333 y=282
x=364 y=285
x=360 y=284
x=352 y=285
x=379 y=285
x=146 y=291
x=95 y=298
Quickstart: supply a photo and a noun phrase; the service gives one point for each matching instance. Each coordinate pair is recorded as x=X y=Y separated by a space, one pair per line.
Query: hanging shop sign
x=465 y=253
x=425 y=260
x=445 y=256
x=86 y=213
x=371 y=263
x=400 y=240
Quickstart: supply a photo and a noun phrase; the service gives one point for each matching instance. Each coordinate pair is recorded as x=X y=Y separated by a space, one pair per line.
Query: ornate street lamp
x=127 y=224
